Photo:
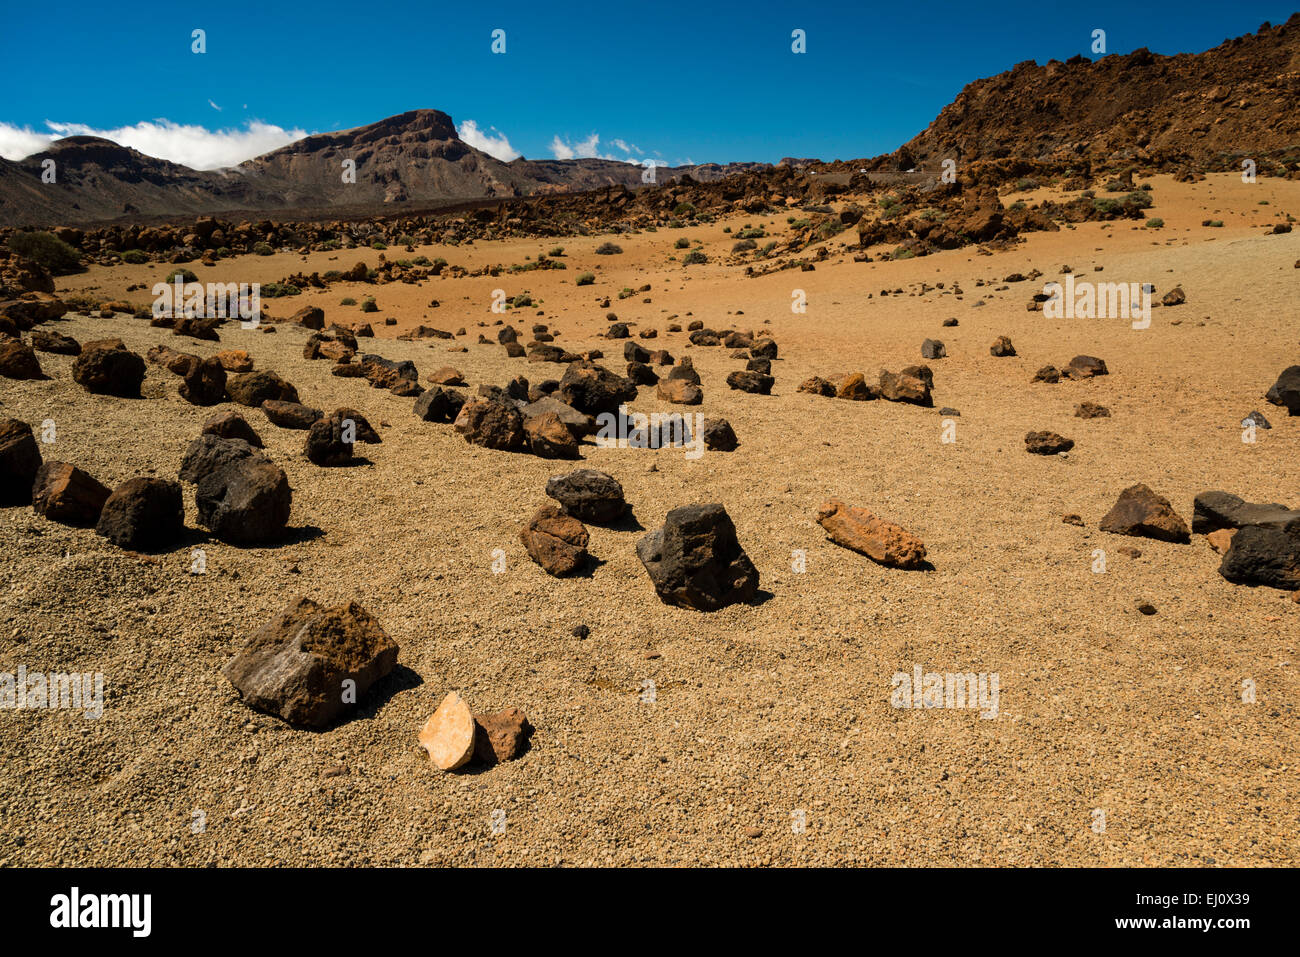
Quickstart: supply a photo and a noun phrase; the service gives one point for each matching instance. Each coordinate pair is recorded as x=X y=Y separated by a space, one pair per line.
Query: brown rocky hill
x=96 y=179
x=414 y=158
x=1201 y=110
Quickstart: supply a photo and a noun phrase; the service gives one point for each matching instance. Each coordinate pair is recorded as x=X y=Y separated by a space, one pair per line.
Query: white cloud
x=584 y=149
x=214 y=106
x=190 y=145
x=496 y=146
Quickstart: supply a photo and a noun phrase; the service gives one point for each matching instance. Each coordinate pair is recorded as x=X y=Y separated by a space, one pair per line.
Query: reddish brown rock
x=862 y=531
x=1143 y=513
x=500 y=736
x=447 y=376
x=64 y=493
x=549 y=438
x=1047 y=443
x=555 y=540
x=490 y=423
x=235 y=360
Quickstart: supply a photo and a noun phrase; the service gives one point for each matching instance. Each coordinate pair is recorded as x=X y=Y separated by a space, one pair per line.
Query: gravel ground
x=765 y=715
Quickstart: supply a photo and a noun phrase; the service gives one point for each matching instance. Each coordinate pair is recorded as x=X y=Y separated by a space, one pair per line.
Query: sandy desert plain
x=771 y=739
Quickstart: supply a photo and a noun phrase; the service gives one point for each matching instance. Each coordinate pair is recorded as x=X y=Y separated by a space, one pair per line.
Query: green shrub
x=682 y=243
x=1216 y=223
x=1155 y=223
x=277 y=290
x=185 y=274
x=368 y=304
x=684 y=209
x=586 y=279
x=744 y=245
x=135 y=257
x=751 y=233
x=521 y=300
x=694 y=257
x=347 y=301
x=608 y=249
x=378 y=245
x=48 y=250
x=262 y=249
x=556 y=252
x=1138 y=199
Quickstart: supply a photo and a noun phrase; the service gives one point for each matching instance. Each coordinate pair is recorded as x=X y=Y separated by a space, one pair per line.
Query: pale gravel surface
x=761 y=709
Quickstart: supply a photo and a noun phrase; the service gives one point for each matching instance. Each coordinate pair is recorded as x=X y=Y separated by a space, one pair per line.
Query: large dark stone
x=1286 y=390
x=20 y=460
x=109 y=368
x=695 y=560
x=309 y=664
x=210 y=453
x=589 y=495
x=245 y=503
x=593 y=389
x=254 y=388
x=1264 y=555
x=143 y=514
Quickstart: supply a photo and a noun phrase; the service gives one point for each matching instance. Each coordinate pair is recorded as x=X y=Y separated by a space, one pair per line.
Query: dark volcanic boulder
x=291 y=415
x=1085 y=367
x=1264 y=555
x=695 y=560
x=310 y=664
x=254 y=388
x=244 y=503
x=359 y=428
x=231 y=425
x=439 y=404
x=20 y=460
x=754 y=382
x=580 y=425
x=593 y=389
x=205 y=382
x=210 y=453
x=589 y=495
x=1286 y=390
x=491 y=423
x=1002 y=348
x=18 y=361
x=1215 y=510
x=56 y=342
x=64 y=493
x=109 y=368
x=143 y=514
x=1047 y=443
x=719 y=436
x=933 y=349
x=328 y=441
x=1141 y=512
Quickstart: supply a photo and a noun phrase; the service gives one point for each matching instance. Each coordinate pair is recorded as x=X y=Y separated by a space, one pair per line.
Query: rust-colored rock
x=880 y=540
x=555 y=540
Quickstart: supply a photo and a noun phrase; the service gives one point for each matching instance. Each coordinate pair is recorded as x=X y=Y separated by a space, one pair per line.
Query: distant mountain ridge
x=413 y=157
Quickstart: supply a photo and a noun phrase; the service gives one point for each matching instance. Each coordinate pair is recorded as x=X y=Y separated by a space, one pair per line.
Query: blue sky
x=675 y=82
